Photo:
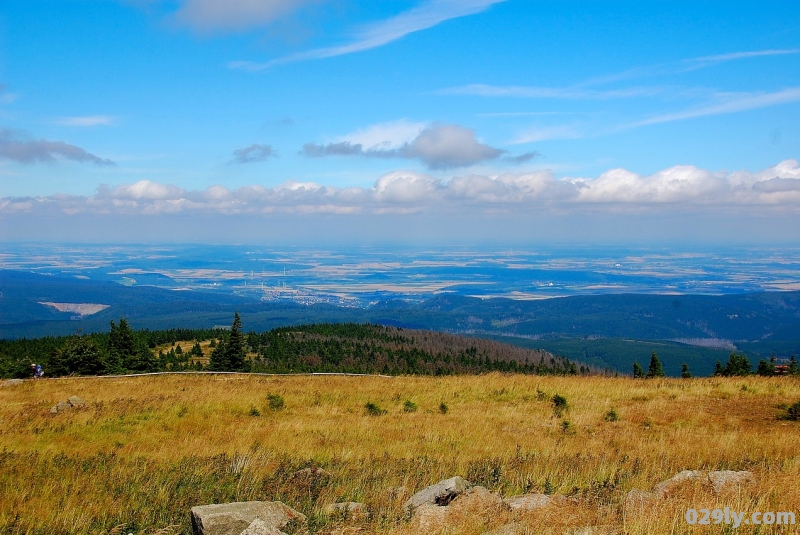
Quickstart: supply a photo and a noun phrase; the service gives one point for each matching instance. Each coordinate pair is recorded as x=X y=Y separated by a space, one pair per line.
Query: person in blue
x=38 y=373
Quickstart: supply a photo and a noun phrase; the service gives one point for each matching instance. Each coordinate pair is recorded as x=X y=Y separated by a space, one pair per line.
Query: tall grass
x=146 y=449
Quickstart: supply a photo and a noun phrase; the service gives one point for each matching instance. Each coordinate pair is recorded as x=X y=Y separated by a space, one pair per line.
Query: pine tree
x=765 y=369
x=655 y=369
x=236 y=347
x=229 y=355
x=718 y=370
x=794 y=369
x=121 y=346
x=685 y=373
x=638 y=372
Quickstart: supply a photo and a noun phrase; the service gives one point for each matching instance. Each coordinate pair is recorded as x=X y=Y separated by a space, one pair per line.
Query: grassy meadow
x=146 y=449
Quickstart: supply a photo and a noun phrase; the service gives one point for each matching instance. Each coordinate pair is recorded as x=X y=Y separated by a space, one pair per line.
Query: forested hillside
x=345 y=348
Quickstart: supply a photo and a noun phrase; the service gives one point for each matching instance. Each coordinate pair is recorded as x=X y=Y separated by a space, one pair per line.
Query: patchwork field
x=145 y=449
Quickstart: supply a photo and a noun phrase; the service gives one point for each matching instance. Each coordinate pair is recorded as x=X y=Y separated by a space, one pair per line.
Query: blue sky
x=152 y=120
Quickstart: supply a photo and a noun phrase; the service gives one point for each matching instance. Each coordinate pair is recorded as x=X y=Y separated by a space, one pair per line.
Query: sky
x=413 y=121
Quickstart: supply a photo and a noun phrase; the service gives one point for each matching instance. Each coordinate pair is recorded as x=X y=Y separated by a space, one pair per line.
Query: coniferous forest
x=327 y=348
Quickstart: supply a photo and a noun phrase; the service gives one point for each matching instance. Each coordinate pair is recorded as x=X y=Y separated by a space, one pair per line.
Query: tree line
x=342 y=348
x=738 y=365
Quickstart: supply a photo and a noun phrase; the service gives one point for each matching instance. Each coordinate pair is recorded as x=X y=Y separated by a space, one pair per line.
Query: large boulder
x=476 y=501
x=442 y=493
x=239 y=517
x=527 y=502
x=429 y=518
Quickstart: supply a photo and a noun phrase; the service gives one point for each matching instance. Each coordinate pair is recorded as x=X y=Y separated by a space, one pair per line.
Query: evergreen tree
x=80 y=355
x=236 y=347
x=718 y=369
x=765 y=369
x=655 y=369
x=685 y=373
x=794 y=369
x=638 y=372
x=738 y=365
x=121 y=346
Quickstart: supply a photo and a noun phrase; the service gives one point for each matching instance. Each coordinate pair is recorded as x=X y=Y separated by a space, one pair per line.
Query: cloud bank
x=15 y=146
x=684 y=189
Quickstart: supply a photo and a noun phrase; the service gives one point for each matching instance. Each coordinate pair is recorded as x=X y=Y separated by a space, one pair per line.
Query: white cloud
x=426 y=15
x=680 y=189
x=234 y=15
x=90 y=120
x=385 y=136
x=729 y=103
x=439 y=146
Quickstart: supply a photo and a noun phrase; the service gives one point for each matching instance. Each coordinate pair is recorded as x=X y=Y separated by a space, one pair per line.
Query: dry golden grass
x=145 y=449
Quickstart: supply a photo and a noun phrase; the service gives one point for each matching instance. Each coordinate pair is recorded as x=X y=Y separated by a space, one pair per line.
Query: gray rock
x=12 y=382
x=61 y=406
x=528 y=502
x=665 y=487
x=477 y=500
x=442 y=493
x=429 y=518
x=235 y=518
x=75 y=401
x=259 y=527
x=721 y=479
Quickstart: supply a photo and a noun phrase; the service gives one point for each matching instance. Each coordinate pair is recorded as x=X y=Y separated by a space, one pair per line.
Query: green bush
x=611 y=415
x=409 y=406
x=559 y=404
x=374 y=410
x=275 y=402
x=793 y=412
x=443 y=408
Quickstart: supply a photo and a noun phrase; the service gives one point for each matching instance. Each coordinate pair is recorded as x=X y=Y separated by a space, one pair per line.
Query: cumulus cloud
x=15 y=146
x=684 y=189
x=234 y=15
x=253 y=153
x=439 y=146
